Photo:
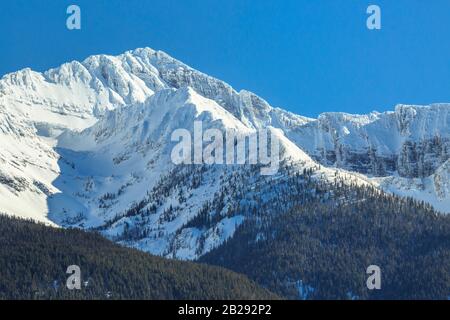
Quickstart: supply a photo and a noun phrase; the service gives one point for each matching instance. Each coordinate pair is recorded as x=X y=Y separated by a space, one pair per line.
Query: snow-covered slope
x=121 y=178
x=88 y=144
x=434 y=189
x=27 y=167
x=36 y=107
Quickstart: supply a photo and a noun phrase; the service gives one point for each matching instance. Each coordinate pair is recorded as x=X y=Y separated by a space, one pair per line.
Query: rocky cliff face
x=412 y=142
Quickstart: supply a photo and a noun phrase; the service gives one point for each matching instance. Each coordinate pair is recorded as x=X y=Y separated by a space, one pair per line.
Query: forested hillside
x=321 y=249
x=34 y=259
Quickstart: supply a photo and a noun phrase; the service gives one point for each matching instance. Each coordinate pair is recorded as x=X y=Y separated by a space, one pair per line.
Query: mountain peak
x=101 y=125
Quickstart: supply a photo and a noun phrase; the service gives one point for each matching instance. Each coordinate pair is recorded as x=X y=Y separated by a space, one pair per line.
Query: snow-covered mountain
x=118 y=176
x=404 y=150
x=412 y=141
x=88 y=144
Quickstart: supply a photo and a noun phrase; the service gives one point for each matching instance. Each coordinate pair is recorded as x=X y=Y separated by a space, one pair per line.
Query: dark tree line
x=34 y=259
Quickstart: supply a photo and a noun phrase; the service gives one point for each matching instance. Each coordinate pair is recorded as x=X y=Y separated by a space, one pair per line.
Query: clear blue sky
x=307 y=56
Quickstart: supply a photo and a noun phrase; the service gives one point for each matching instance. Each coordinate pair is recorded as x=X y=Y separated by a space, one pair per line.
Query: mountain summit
x=88 y=145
